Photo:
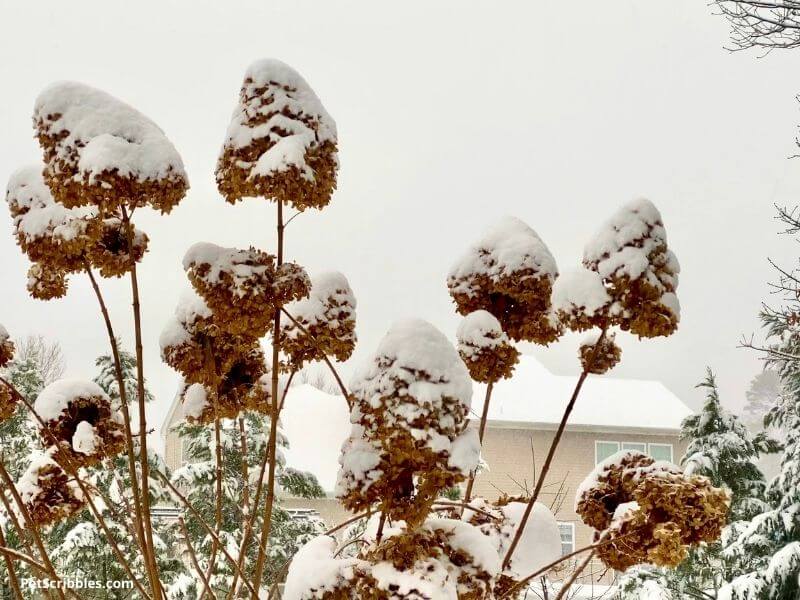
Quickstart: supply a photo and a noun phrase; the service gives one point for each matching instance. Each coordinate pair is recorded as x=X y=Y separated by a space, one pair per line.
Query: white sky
x=450 y=115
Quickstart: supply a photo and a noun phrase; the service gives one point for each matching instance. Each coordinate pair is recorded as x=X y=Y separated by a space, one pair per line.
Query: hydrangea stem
x=481 y=431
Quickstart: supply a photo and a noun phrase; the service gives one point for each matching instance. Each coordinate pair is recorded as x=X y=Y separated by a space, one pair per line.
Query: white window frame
x=596 y=442
x=670 y=446
x=644 y=444
x=571 y=526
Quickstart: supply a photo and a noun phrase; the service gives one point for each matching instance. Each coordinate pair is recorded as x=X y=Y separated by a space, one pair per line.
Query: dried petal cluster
x=639 y=271
x=281 y=142
x=243 y=288
x=646 y=511
x=100 y=151
x=80 y=417
x=409 y=412
x=47 y=493
x=325 y=322
x=599 y=356
x=443 y=558
x=8 y=402
x=6 y=347
x=485 y=348
x=509 y=273
x=113 y=253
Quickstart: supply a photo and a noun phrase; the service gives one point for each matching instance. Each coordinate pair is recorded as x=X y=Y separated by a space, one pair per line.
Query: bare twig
x=193 y=558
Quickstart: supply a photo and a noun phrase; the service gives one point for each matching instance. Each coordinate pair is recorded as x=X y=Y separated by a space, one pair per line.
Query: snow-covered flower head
x=6 y=347
x=328 y=317
x=485 y=348
x=46 y=283
x=243 y=287
x=638 y=270
x=281 y=142
x=112 y=254
x=79 y=415
x=597 y=355
x=580 y=300
x=409 y=404
x=647 y=511
x=100 y=151
x=510 y=273
x=48 y=494
x=45 y=230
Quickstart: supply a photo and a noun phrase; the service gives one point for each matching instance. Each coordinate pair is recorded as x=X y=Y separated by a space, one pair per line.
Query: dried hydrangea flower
x=580 y=300
x=46 y=283
x=79 y=415
x=110 y=253
x=647 y=511
x=8 y=403
x=328 y=317
x=639 y=271
x=6 y=347
x=48 y=494
x=599 y=356
x=281 y=142
x=100 y=151
x=243 y=287
x=410 y=438
x=510 y=273
x=45 y=230
x=485 y=348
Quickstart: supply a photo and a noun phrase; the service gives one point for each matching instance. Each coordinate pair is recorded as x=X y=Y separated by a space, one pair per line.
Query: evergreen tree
x=722 y=449
x=197 y=477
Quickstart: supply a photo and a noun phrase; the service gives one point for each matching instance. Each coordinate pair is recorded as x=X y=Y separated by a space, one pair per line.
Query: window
x=602 y=450
x=567 y=531
x=660 y=451
x=635 y=446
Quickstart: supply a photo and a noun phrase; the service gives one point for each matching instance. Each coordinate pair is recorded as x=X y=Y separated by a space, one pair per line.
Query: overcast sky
x=450 y=115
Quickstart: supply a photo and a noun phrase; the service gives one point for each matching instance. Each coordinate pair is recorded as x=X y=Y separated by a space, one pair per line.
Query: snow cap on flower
x=639 y=271
x=580 y=300
x=79 y=415
x=281 y=142
x=510 y=273
x=410 y=403
x=485 y=348
x=6 y=347
x=327 y=321
x=100 y=151
x=47 y=493
x=243 y=287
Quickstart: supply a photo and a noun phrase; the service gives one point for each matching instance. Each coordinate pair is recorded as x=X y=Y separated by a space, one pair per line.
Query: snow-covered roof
x=535 y=396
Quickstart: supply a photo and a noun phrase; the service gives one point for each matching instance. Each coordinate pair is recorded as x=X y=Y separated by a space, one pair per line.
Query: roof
x=536 y=396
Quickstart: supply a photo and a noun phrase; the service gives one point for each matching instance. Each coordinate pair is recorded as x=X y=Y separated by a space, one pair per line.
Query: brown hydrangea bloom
x=648 y=511
x=45 y=283
x=639 y=271
x=45 y=230
x=599 y=358
x=410 y=438
x=510 y=273
x=48 y=494
x=110 y=252
x=328 y=318
x=6 y=347
x=8 y=403
x=79 y=415
x=243 y=287
x=100 y=151
x=580 y=300
x=281 y=142
x=484 y=348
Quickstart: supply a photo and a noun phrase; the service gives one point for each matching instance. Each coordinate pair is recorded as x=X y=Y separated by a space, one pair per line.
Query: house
x=611 y=414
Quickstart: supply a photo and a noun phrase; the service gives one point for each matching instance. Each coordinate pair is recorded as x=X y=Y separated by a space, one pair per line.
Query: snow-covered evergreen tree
x=197 y=478
x=721 y=448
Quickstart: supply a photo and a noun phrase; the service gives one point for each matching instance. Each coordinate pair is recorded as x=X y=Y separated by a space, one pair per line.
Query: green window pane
x=603 y=450
x=661 y=451
x=635 y=446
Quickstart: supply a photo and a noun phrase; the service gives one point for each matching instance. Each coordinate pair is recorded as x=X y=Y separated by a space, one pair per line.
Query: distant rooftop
x=535 y=396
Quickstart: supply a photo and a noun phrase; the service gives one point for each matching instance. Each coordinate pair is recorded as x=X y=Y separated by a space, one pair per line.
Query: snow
x=538 y=397
x=465 y=451
x=315 y=568
x=469 y=539
x=189 y=309
x=359 y=461
x=330 y=298
x=55 y=398
x=4 y=336
x=479 y=330
x=297 y=120
x=580 y=290
x=85 y=439
x=28 y=483
x=37 y=212
x=507 y=247
x=106 y=134
x=540 y=543
x=195 y=400
x=243 y=267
